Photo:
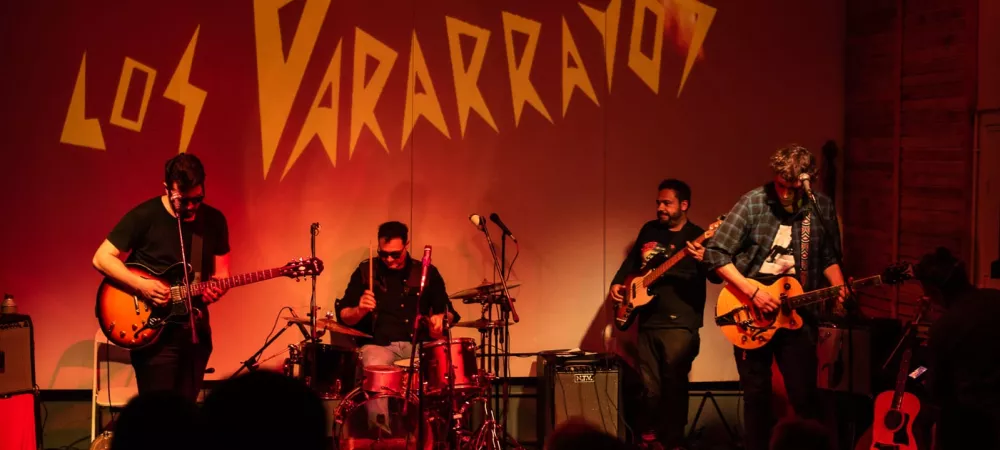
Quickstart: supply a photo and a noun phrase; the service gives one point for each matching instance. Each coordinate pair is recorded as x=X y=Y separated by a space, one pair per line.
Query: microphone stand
x=313 y=338
x=415 y=346
x=849 y=306
x=508 y=311
x=187 y=283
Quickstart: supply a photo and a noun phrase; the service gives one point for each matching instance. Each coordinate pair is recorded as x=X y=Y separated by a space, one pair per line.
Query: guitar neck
x=820 y=295
x=904 y=367
x=658 y=272
x=230 y=282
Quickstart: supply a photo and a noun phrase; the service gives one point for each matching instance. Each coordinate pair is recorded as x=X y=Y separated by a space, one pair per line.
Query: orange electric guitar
x=131 y=321
x=638 y=288
x=747 y=327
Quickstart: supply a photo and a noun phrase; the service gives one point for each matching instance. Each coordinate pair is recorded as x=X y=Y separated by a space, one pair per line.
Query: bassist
x=668 y=338
x=149 y=233
x=762 y=238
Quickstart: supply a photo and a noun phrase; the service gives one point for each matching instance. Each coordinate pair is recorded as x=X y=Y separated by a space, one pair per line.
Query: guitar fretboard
x=820 y=295
x=656 y=273
x=179 y=293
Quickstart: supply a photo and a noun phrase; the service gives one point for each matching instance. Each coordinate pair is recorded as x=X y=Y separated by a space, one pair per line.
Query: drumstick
x=371 y=262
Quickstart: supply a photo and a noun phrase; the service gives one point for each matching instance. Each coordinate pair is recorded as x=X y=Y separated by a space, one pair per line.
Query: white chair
x=114 y=380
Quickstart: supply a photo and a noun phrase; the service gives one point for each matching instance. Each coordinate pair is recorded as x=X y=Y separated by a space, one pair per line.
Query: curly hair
x=791 y=161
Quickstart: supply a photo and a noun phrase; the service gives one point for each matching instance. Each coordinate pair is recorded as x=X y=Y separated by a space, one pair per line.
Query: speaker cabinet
x=17 y=354
x=580 y=386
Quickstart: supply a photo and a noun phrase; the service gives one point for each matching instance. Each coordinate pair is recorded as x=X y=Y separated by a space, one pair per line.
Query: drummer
x=385 y=306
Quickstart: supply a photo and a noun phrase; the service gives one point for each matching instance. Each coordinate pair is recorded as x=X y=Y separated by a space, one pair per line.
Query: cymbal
x=329 y=325
x=485 y=289
x=480 y=324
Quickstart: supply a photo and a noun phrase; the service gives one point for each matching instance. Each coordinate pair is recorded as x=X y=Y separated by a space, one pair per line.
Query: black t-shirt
x=149 y=232
x=396 y=301
x=680 y=292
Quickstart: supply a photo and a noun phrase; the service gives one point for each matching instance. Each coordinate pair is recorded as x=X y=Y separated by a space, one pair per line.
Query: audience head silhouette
x=800 y=434
x=264 y=410
x=578 y=434
x=158 y=420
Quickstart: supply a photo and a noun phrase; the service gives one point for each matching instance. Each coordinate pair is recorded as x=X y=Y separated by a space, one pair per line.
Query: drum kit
x=434 y=397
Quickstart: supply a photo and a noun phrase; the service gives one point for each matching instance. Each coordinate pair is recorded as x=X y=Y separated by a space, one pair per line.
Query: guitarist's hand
x=214 y=292
x=765 y=301
x=697 y=251
x=154 y=290
x=617 y=291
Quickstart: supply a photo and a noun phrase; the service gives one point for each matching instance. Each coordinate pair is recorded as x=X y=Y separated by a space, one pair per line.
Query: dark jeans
x=795 y=352
x=665 y=357
x=173 y=362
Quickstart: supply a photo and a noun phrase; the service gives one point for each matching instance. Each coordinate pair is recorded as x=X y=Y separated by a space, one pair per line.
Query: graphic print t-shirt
x=780 y=259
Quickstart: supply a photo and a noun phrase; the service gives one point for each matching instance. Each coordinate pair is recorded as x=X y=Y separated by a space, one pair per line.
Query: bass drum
x=337 y=368
x=389 y=428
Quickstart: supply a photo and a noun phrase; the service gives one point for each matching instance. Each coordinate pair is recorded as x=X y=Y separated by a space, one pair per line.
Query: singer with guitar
x=775 y=230
x=149 y=232
x=381 y=300
x=668 y=339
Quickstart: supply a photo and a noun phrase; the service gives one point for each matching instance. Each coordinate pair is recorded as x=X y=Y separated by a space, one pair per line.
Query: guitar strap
x=804 y=249
x=196 y=259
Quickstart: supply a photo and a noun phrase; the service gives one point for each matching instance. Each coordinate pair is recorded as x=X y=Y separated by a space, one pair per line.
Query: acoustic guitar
x=638 y=288
x=131 y=321
x=747 y=327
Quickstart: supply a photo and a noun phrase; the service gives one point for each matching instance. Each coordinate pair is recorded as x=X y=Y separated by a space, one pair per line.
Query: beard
x=669 y=219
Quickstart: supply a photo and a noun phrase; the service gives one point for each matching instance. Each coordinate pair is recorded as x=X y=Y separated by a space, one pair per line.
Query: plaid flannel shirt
x=745 y=237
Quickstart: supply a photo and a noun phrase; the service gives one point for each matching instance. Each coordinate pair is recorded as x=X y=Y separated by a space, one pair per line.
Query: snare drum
x=434 y=366
x=384 y=379
x=336 y=368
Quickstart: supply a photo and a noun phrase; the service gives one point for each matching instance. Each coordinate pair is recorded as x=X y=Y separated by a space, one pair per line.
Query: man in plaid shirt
x=762 y=238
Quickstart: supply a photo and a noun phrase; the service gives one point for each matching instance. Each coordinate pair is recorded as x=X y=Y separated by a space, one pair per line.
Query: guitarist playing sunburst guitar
x=149 y=233
x=668 y=325
x=774 y=231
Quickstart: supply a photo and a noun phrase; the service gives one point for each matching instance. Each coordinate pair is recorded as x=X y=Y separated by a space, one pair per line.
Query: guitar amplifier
x=17 y=354
x=855 y=351
x=578 y=385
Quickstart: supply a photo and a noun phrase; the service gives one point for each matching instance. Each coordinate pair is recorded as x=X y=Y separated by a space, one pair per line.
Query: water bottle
x=8 y=306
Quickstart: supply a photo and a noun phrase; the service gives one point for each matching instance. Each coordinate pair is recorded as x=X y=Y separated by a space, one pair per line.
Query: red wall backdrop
x=299 y=108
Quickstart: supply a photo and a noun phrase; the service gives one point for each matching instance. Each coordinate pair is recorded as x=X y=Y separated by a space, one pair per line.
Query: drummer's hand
x=367 y=303
x=437 y=326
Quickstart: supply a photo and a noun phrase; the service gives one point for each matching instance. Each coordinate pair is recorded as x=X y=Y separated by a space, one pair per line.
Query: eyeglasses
x=395 y=255
x=193 y=200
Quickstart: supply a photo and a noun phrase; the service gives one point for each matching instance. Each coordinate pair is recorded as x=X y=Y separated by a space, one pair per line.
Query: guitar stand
x=708 y=395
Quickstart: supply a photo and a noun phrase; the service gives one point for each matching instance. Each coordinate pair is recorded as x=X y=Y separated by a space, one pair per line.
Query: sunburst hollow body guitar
x=131 y=321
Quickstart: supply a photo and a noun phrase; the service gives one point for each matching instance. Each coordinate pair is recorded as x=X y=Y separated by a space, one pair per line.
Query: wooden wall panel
x=910 y=102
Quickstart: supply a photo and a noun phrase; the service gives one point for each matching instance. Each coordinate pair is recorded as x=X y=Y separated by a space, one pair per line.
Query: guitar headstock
x=897 y=273
x=302 y=267
x=714 y=226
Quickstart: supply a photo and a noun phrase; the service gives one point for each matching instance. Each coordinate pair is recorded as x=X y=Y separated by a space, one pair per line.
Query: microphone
x=478 y=221
x=804 y=178
x=496 y=219
x=427 y=264
x=175 y=202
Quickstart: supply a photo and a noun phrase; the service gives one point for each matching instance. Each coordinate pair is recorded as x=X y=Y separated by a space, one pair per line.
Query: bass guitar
x=638 y=288
x=747 y=327
x=132 y=321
